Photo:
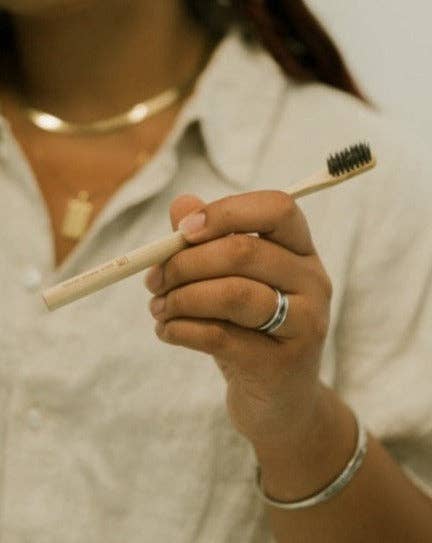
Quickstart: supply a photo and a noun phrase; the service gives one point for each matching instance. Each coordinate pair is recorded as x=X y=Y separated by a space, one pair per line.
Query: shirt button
x=34 y=418
x=32 y=278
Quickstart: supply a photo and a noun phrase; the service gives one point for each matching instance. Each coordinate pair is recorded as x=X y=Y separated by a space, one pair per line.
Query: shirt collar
x=236 y=100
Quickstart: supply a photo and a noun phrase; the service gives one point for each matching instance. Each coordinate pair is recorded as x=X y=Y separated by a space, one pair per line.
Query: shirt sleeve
x=384 y=332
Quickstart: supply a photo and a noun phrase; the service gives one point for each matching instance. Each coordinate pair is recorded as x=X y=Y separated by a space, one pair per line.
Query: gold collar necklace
x=135 y=115
x=79 y=210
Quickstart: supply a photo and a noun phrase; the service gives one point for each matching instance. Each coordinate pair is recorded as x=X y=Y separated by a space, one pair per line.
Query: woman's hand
x=213 y=295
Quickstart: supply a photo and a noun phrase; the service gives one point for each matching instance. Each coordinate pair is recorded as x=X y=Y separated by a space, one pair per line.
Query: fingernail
x=192 y=223
x=154 y=278
x=157 y=305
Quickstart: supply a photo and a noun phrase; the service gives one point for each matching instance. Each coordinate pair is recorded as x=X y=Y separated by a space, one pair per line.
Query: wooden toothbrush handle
x=161 y=250
x=114 y=270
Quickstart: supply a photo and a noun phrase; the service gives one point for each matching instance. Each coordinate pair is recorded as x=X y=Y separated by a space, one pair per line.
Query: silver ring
x=280 y=314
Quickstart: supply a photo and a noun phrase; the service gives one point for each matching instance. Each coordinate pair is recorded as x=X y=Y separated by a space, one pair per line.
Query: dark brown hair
x=287 y=28
x=289 y=31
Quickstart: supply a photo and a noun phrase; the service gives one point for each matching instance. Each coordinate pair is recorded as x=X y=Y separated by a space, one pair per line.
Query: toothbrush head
x=353 y=158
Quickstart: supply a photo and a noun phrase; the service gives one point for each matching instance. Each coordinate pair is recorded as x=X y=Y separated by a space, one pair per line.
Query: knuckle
x=226 y=210
x=237 y=294
x=175 y=269
x=243 y=249
x=174 y=302
x=286 y=205
x=319 y=277
x=327 y=287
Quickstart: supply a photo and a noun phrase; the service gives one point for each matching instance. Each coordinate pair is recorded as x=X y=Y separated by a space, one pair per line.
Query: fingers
x=241 y=255
x=214 y=295
x=238 y=300
x=228 y=342
x=273 y=214
x=256 y=356
x=182 y=206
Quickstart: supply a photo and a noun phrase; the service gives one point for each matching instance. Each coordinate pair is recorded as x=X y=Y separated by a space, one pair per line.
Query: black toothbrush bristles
x=349 y=159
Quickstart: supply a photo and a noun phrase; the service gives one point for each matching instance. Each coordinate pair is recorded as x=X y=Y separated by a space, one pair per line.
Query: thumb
x=184 y=205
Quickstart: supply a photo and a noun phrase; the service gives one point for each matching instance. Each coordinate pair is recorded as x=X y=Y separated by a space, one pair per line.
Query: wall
x=388 y=46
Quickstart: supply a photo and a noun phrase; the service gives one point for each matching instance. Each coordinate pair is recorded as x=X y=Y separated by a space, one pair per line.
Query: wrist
x=291 y=471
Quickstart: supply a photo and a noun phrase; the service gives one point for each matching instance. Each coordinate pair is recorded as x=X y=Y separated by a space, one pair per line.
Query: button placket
x=34 y=418
x=32 y=278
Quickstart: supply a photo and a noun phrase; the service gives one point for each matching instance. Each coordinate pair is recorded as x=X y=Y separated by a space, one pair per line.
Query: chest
x=97 y=166
x=76 y=182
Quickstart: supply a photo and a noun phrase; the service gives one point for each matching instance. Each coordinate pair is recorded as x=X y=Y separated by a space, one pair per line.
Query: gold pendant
x=77 y=216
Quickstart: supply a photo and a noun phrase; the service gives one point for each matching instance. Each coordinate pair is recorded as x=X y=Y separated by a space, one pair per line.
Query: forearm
x=379 y=504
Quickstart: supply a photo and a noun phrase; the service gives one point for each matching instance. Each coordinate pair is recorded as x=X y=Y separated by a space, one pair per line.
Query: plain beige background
x=388 y=44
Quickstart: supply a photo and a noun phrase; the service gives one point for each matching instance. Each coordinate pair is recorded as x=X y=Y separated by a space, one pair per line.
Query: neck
x=100 y=58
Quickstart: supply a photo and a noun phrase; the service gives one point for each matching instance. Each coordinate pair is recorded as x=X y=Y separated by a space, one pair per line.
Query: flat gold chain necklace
x=79 y=209
x=135 y=115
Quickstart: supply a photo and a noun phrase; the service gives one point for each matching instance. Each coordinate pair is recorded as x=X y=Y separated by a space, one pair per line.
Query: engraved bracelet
x=333 y=488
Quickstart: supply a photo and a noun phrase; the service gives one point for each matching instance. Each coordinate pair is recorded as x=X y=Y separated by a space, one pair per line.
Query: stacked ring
x=280 y=314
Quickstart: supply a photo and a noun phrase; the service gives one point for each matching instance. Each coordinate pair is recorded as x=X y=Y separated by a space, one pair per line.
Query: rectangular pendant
x=77 y=217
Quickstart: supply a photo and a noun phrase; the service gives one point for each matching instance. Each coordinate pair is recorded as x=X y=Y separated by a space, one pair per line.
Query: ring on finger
x=279 y=315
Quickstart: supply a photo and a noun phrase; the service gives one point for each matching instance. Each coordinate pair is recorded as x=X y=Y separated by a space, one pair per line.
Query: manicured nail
x=192 y=223
x=157 y=305
x=154 y=278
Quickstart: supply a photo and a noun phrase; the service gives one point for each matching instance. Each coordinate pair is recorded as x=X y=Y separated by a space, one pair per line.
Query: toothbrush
x=341 y=166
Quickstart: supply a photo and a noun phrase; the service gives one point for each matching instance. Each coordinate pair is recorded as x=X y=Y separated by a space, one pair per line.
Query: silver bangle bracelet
x=333 y=488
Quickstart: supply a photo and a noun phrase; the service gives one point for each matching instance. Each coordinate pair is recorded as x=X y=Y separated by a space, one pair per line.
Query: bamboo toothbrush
x=341 y=166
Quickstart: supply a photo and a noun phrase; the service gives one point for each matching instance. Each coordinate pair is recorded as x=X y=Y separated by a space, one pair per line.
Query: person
x=202 y=423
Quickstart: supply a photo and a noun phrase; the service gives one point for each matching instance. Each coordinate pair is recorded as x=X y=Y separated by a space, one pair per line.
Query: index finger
x=273 y=214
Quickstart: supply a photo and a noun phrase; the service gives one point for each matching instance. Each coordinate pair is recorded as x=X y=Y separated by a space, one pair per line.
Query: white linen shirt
x=109 y=435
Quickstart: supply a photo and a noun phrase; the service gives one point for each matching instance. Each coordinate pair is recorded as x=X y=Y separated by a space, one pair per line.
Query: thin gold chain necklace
x=79 y=207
